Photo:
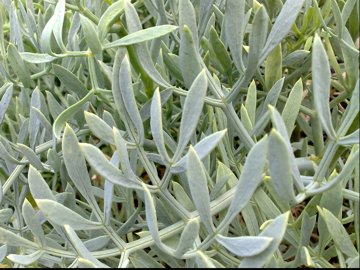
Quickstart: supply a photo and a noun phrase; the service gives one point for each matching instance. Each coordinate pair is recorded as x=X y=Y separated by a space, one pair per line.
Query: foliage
x=168 y=133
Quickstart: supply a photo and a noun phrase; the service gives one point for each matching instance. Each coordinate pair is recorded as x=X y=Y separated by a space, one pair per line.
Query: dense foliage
x=178 y=133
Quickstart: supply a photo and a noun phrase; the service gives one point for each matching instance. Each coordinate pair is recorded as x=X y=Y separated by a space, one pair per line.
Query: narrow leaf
x=13 y=240
x=37 y=58
x=244 y=246
x=292 y=106
x=142 y=36
x=251 y=176
x=5 y=101
x=156 y=125
x=282 y=26
x=188 y=237
x=109 y=17
x=70 y=81
x=276 y=229
x=338 y=233
x=34 y=225
x=99 y=127
x=128 y=97
x=191 y=112
x=189 y=63
x=321 y=86
x=202 y=149
x=18 y=65
x=76 y=166
x=280 y=168
x=198 y=188
x=25 y=259
x=61 y=215
x=80 y=247
x=97 y=160
x=90 y=34
x=60 y=122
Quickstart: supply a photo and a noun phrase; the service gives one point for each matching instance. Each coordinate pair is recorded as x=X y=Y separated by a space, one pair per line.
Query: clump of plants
x=178 y=133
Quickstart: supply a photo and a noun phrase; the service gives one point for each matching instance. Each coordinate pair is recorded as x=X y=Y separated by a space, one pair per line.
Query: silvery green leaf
x=134 y=25
x=187 y=17
x=307 y=226
x=188 y=237
x=45 y=39
x=189 y=63
x=142 y=36
x=276 y=230
x=295 y=58
x=282 y=26
x=76 y=167
x=191 y=111
x=151 y=219
x=18 y=65
x=99 y=127
x=203 y=261
x=123 y=154
x=145 y=111
x=351 y=112
x=34 y=225
x=202 y=149
x=61 y=120
x=292 y=106
x=97 y=160
x=109 y=17
x=43 y=120
x=280 y=126
x=90 y=34
x=127 y=94
x=80 y=247
x=273 y=67
x=3 y=252
x=156 y=125
x=14 y=240
x=38 y=187
x=257 y=40
x=34 y=121
x=234 y=30
x=71 y=82
x=347 y=9
x=220 y=51
x=31 y=156
x=244 y=246
x=37 y=58
x=25 y=259
x=7 y=156
x=338 y=19
x=251 y=176
x=5 y=101
x=97 y=243
x=61 y=215
x=245 y=118
x=108 y=200
x=280 y=168
x=321 y=86
x=338 y=233
x=59 y=13
x=272 y=96
x=182 y=197
x=54 y=107
x=250 y=102
x=198 y=188
x=350 y=139
x=204 y=14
